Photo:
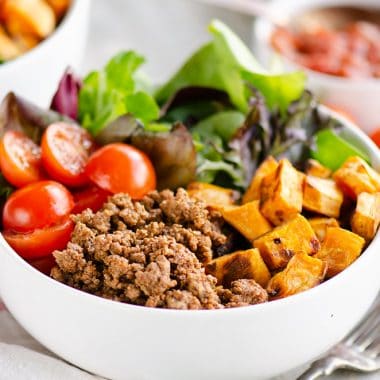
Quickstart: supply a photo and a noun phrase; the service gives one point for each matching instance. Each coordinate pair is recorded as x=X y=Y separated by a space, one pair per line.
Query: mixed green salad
x=214 y=120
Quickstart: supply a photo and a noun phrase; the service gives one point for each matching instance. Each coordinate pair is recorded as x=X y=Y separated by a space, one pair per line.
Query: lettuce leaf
x=216 y=162
x=227 y=64
x=114 y=91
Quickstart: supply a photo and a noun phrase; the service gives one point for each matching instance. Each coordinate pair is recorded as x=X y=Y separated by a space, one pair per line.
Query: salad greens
x=327 y=141
x=114 y=91
x=210 y=94
x=65 y=100
x=226 y=64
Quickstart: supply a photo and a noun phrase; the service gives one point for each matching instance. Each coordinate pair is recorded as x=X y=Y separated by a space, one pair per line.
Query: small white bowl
x=121 y=341
x=36 y=73
x=359 y=97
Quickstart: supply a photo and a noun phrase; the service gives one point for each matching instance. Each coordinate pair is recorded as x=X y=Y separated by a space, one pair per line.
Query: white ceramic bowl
x=36 y=73
x=359 y=97
x=121 y=341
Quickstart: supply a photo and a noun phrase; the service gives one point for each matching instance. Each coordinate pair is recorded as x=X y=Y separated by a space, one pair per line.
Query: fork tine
x=374 y=347
x=367 y=338
x=365 y=326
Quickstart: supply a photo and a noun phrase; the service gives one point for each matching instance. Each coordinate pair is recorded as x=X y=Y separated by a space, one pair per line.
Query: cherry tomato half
x=38 y=205
x=65 y=150
x=20 y=159
x=44 y=264
x=375 y=136
x=121 y=168
x=92 y=197
x=40 y=242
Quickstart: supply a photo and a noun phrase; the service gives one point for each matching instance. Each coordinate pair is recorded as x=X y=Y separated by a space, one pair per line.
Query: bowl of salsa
x=340 y=53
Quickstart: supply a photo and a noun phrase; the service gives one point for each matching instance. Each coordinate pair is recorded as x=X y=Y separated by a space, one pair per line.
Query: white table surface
x=165 y=31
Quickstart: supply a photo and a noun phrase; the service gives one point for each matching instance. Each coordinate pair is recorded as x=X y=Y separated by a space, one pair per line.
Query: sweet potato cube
x=26 y=41
x=320 y=225
x=247 y=219
x=8 y=48
x=366 y=218
x=281 y=193
x=339 y=249
x=279 y=245
x=239 y=265
x=322 y=196
x=355 y=176
x=33 y=17
x=302 y=272
x=212 y=195
x=253 y=192
x=316 y=169
x=59 y=7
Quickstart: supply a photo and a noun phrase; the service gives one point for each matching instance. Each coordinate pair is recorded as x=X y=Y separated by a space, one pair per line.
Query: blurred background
x=164 y=31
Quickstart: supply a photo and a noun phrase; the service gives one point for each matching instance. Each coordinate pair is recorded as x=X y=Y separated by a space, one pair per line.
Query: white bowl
x=36 y=73
x=360 y=97
x=121 y=341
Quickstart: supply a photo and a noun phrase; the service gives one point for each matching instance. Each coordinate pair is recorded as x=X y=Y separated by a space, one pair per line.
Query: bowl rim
x=373 y=151
x=263 y=28
x=45 y=43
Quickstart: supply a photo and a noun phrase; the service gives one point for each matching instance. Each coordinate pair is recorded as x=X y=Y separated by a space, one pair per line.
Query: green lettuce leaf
x=216 y=162
x=115 y=90
x=279 y=90
x=227 y=64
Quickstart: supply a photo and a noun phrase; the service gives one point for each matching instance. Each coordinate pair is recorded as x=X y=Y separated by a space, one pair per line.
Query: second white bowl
x=35 y=74
x=361 y=98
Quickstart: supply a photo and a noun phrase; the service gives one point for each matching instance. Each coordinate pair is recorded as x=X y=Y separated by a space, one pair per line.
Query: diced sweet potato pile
x=24 y=23
x=303 y=227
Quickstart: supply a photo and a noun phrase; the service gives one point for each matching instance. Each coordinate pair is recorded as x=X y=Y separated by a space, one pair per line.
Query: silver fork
x=359 y=351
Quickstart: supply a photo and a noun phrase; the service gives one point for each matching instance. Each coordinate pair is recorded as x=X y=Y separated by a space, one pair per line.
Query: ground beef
x=151 y=252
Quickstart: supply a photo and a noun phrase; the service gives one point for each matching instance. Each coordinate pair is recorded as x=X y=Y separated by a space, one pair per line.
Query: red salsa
x=353 y=51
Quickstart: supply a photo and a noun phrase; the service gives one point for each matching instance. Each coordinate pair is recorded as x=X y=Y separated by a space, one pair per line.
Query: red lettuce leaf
x=65 y=100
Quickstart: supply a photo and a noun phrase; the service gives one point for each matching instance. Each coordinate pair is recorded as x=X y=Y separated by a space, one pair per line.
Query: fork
x=359 y=351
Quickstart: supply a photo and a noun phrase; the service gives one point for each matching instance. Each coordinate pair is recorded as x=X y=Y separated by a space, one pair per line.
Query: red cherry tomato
x=20 y=159
x=44 y=264
x=121 y=168
x=65 y=151
x=40 y=242
x=38 y=205
x=375 y=136
x=93 y=198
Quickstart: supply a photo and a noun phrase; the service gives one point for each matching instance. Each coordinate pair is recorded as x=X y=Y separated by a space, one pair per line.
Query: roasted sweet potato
x=212 y=195
x=281 y=193
x=253 y=192
x=247 y=219
x=322 y=196
x=59 y=7
x=28 y=17
x=339 y=249
x=8 y=48
x=320 y=225
x=316 y=169
x=356 y=176
x=302 y=272
x=238 y=265
x=366 y=218
x=279 y=245
x=26 y=41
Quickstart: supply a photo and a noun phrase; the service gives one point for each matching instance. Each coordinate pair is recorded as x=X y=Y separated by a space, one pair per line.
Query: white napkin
x=18 y=362
x=22 y=357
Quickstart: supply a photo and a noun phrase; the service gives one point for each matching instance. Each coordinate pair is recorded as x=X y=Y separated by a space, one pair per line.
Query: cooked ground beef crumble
x=150 y=252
